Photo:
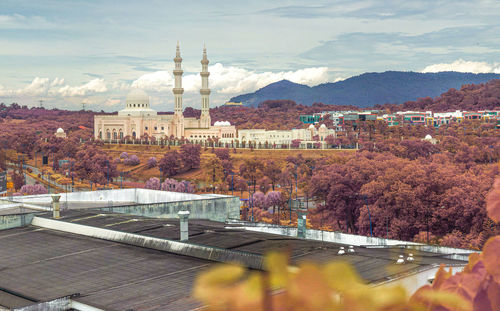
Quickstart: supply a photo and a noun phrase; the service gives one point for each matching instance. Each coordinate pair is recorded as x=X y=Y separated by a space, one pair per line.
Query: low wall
x=211 y=208
x=15 y=221
x=138 y=195
x=358 y=240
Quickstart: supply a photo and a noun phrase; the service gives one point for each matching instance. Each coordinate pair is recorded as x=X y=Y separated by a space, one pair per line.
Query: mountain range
x=368 y=89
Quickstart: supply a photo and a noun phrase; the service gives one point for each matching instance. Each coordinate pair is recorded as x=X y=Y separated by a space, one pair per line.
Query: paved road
x=31 y=181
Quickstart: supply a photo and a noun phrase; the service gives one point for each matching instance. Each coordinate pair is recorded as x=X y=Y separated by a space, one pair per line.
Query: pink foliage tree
x=132 y=160
x=153 y=183
x=33 y=189
x=152 y=162
x=177 y=186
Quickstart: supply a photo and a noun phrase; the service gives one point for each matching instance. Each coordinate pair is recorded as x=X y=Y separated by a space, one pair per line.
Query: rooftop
x=43 y=262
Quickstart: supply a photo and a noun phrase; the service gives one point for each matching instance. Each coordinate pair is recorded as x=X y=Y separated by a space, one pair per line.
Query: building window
x=156 y=128
x=121 y=135
x=146 y=128
x=133 y=134
x=162 y=128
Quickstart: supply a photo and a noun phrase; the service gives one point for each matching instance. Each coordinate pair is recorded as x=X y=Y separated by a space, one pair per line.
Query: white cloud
x=225 y=81
x=3 y=91
x=231 y=80
x=155 y=81
x=111 y=102
x=464 y=66
x=18 y=21
x=120 y=86
x=93 y=86
x=55 y=87
x=39 y=86
x=57 y=82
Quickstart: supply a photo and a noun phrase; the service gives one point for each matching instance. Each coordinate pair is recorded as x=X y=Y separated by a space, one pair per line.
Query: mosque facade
x=139 y=120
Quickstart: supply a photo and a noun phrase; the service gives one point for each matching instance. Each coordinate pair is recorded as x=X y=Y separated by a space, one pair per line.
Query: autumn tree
x=190 y=156
x=272 y=170
x=251 y=170
x=170 y=164
x=214 y=172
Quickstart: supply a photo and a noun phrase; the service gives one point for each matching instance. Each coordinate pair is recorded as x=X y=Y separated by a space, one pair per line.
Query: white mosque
x=139 y=120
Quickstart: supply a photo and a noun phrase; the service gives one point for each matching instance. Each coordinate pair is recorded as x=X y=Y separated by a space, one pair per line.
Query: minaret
x=178 y=91
x=204 y=91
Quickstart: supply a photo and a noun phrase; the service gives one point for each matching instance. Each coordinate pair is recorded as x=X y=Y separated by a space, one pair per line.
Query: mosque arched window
x=115 y=135
x=108 y=135
x=121 y=134
x=134 y=135
x=100 y=134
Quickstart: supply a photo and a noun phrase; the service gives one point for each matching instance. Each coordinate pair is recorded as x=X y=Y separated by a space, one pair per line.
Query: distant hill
x=368 y=89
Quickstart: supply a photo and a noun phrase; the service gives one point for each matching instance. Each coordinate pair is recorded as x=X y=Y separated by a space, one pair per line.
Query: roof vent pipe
x=350 y=249
x=341 y=251
x=55 y=206
x=410 y=258
x=183 y=218
x=401 y=260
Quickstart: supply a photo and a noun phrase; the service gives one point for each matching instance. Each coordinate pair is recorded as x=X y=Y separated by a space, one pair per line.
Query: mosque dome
x=60 y=130
x=323 y=126
x=428 y=137
x=137 y=98
x=311 y=126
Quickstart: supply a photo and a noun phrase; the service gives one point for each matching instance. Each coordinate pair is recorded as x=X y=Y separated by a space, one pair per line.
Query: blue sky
x=69 y=52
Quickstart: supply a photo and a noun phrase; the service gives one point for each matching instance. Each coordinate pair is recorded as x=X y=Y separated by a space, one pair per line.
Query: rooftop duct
x=183 y=218
x=55 y=206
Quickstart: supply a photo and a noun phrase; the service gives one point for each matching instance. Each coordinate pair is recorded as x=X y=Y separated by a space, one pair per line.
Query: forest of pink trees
x=409 y=188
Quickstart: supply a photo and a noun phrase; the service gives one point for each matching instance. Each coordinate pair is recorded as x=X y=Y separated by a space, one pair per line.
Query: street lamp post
x=72 y=178
x=107 y=163
x=250 y=199
x=296 y=184
x=213 y=178
x=290 y=202
x=369 y=215
x=427 y=222
x=48 y=181
x=232 y=183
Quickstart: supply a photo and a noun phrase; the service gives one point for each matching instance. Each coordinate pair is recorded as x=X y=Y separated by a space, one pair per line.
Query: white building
x=307 y=136
x=139 y=120
x=60 y=133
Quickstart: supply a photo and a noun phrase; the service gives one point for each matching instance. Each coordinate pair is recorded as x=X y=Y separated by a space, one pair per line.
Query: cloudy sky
x=69 y=52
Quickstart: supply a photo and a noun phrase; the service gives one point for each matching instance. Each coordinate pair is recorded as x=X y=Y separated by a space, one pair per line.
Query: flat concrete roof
x=46 y=264
x=43 y=264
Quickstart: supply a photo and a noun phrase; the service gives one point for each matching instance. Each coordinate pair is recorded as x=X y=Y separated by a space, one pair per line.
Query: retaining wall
x=211 y=208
